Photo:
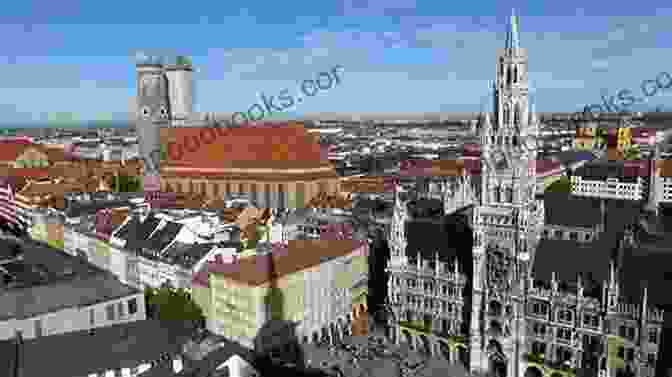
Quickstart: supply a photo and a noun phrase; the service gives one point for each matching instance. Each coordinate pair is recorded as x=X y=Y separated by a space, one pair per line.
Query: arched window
x=515 y=75
x=509 y=75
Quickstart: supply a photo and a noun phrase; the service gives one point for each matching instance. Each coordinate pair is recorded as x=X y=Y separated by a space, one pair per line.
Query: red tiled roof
x=636 y=168
x=289 y=144
x=300 y=254
x=545 y=166
x=252 y=176
x=11 y=150
x=34 y=173
x=472 y=165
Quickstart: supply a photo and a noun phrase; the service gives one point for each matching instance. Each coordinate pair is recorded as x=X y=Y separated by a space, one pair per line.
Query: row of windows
x=120 y=313
x=446 y=290
x=630 y=333
x=428 y=303
x=574 y=236
x=564 y=353
x=110 y=314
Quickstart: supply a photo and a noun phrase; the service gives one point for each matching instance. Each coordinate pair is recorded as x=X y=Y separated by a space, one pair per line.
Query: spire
x=533 y=116
x=642 y=318
x=512 y=34
x=645 y=302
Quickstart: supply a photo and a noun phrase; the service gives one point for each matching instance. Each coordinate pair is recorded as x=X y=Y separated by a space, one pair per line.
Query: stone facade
x=518 y=326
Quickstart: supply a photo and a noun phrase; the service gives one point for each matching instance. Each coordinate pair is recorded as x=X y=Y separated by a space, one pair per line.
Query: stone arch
x=496 y=359
x=533 y=372
x=444 y=350
x=425 y=345
x=316 y=337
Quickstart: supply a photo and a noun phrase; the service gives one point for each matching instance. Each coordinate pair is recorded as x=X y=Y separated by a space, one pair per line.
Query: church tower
x=507 y=219
x=153 y=106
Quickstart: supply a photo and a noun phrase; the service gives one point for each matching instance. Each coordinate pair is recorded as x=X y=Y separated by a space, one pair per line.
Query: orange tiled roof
x=264 y=146
x=664 y=168
x=252 y=176
x=324 y=200
x=364 y=184
x=443 y=167
x=301 y=254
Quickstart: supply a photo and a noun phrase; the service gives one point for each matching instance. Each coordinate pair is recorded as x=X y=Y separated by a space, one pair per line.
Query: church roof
x=287 y=146
x=567 y=259
x=446 y=235
x=562 y=209
x=648 y=265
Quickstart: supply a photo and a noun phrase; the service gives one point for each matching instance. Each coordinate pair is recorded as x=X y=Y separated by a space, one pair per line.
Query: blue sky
x=399 y=56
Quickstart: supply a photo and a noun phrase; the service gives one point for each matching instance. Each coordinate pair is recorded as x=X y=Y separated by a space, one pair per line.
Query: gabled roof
x=142 y=232
x=160 y=239
x=187 y=255
x=128 y=230
x=299 y=255
x=567 y=259
x=207 y=366
x=22 y=303
x=106 y=348
x=648 y=265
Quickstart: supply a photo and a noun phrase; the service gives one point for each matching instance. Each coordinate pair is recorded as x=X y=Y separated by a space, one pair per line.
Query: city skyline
x=403 y=62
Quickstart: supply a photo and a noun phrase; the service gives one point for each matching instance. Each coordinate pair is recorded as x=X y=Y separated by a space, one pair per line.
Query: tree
x=182 y=60
x=601 y=135
x=125 y=183
x=631 y=153
x=169 y=304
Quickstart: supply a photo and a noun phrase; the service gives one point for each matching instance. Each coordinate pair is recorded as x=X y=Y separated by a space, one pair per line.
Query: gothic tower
x=507 y=219
x=153 y=106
